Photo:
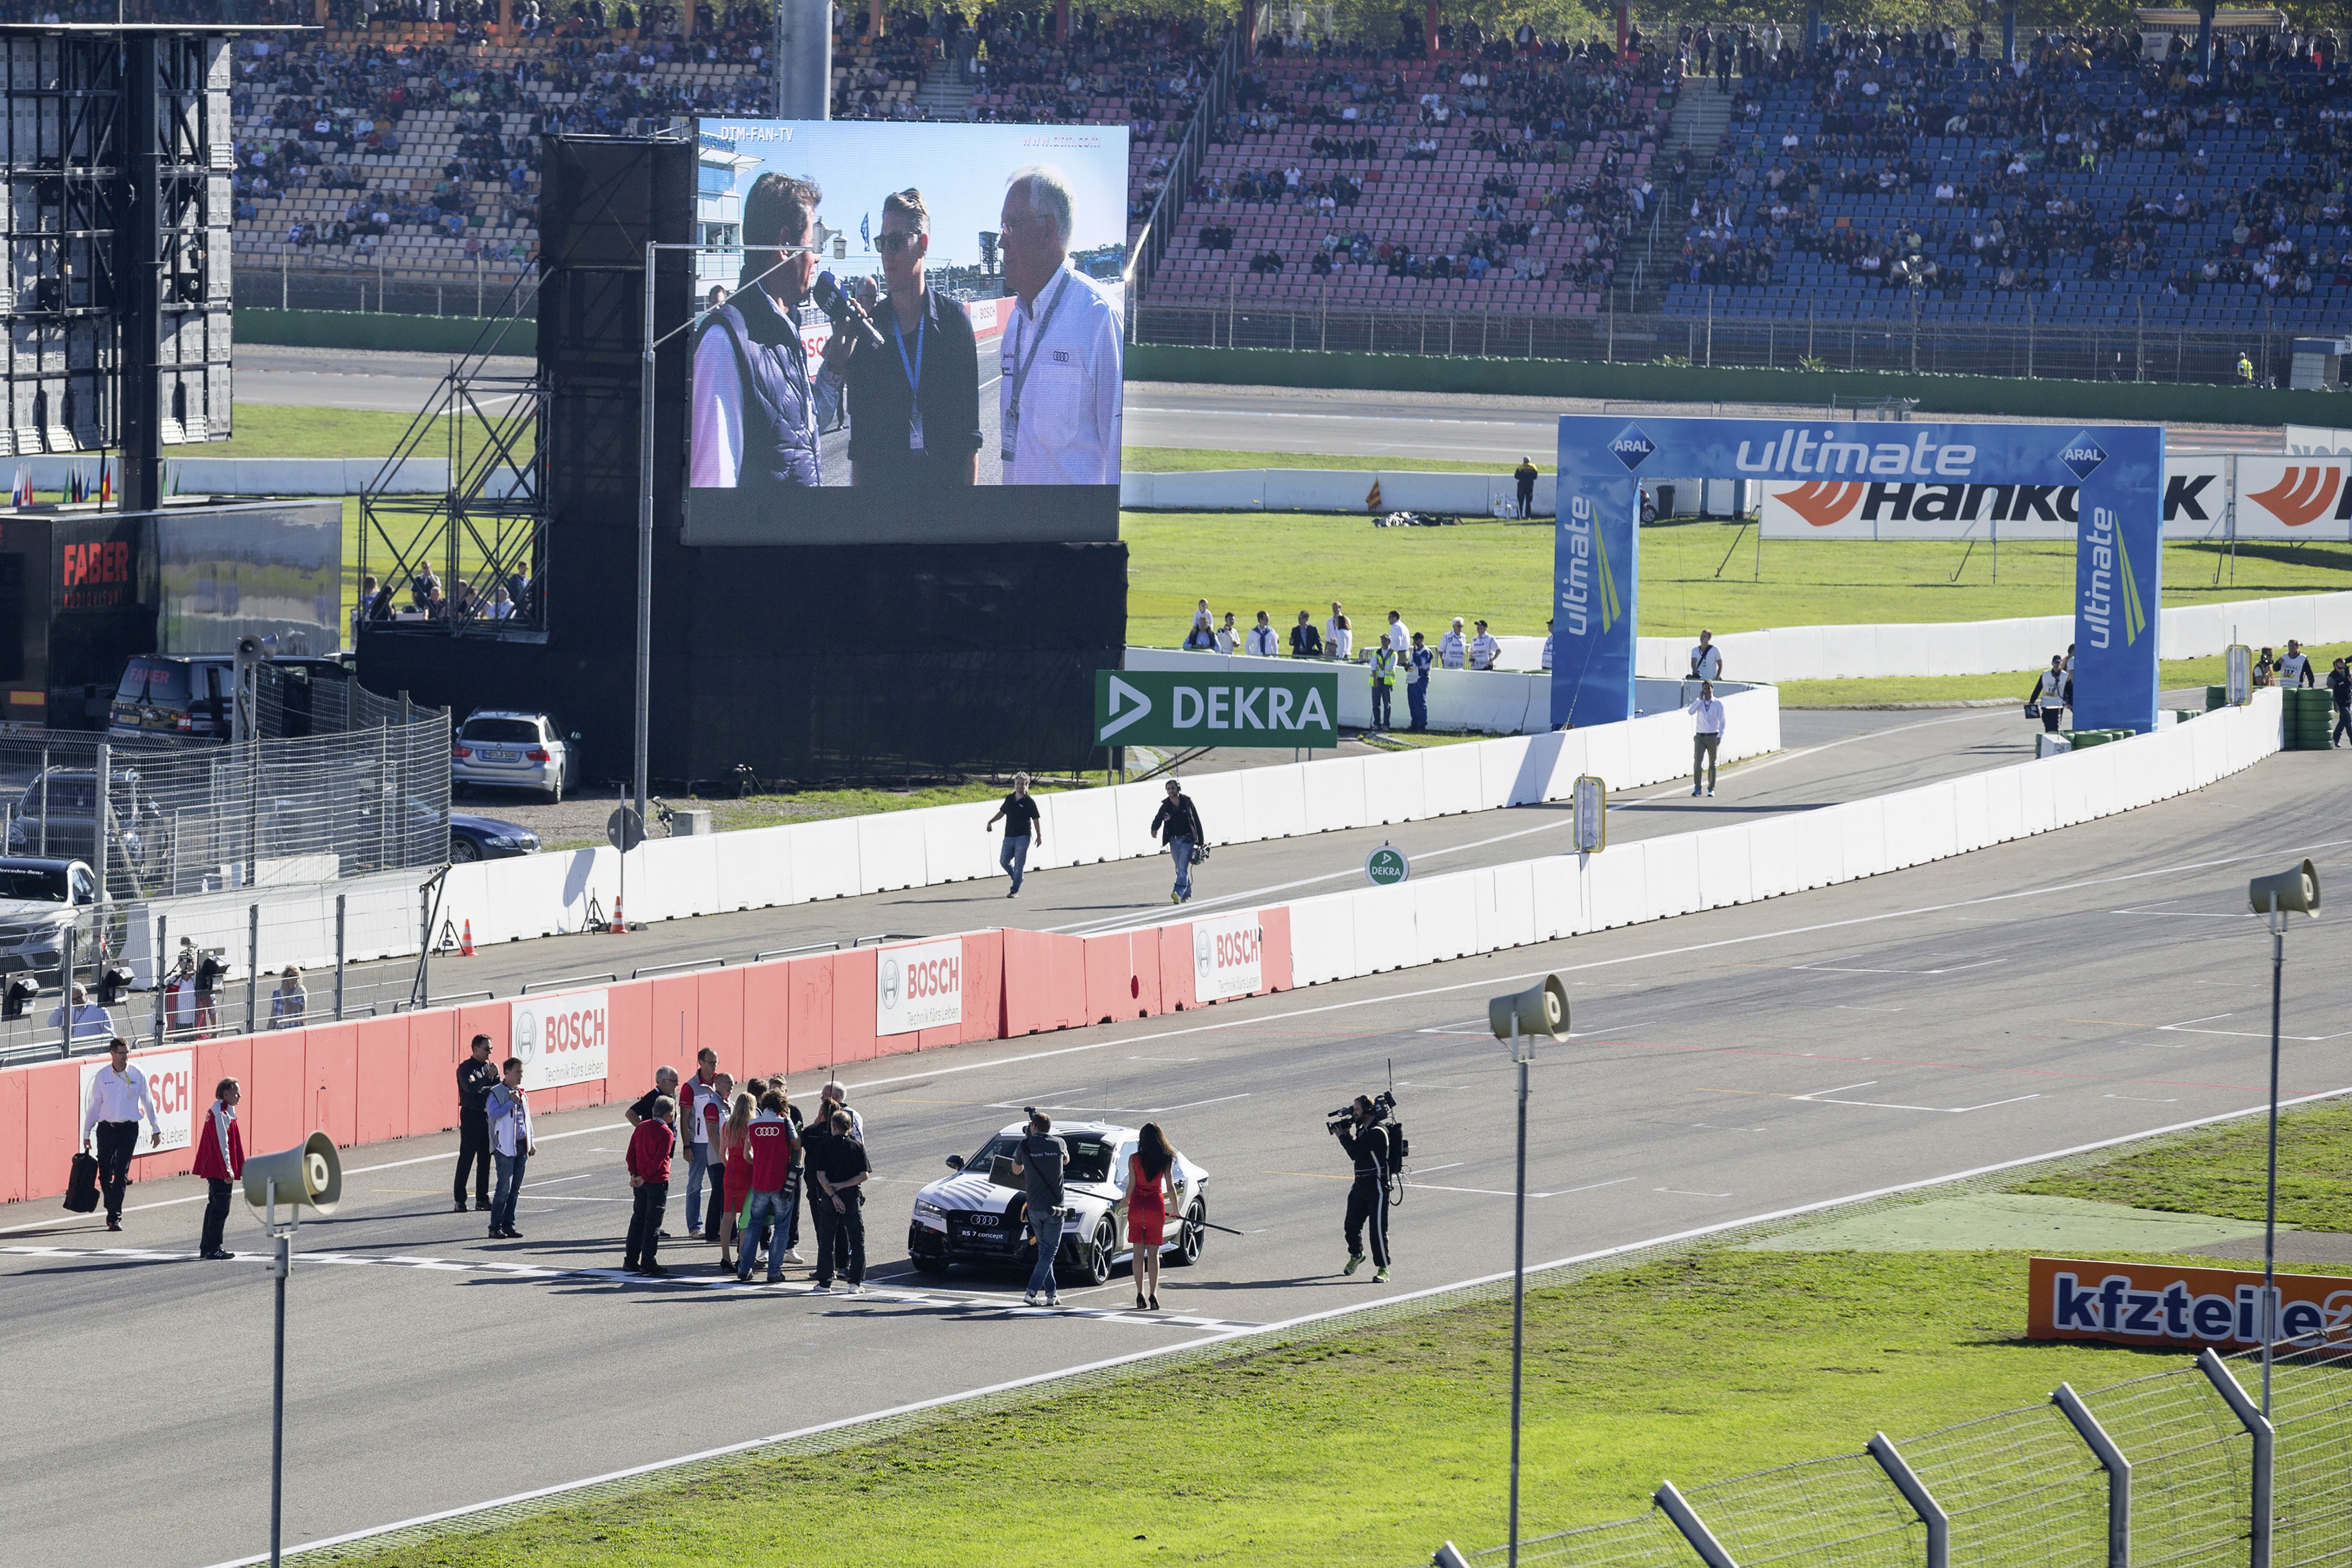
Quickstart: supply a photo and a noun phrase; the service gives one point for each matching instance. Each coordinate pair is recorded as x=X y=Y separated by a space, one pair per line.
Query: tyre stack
x=2309 y=716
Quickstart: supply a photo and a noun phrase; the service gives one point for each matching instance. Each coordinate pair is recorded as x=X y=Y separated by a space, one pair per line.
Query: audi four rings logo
x=526 y=1037
x=889 y=983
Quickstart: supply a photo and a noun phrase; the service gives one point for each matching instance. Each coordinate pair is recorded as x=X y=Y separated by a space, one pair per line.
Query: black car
x=474 y=838
x=191 y=696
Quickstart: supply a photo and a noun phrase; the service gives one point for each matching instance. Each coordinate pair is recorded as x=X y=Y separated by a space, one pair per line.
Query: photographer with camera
x=1363 y=1130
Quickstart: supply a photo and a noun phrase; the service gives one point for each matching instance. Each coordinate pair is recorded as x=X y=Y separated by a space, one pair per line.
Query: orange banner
x=2165 y=1304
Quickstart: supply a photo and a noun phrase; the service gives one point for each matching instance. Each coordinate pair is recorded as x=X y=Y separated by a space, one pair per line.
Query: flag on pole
x=105 y=481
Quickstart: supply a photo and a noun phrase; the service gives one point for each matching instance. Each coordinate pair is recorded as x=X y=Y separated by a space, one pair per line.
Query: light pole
x=2274 y=898
x=1540 y=1010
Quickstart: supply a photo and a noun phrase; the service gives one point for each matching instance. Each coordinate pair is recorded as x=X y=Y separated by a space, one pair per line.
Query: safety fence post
x=1914 y=1493
x=65 y=989
x=341 y=900
x=1702 y=1540
x=2112 y=1460
x=2258 y=1505
x=253 y=968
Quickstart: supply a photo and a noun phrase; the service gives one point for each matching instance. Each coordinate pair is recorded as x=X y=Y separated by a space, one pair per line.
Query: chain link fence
x=2200 y=1479
x=2021 y=343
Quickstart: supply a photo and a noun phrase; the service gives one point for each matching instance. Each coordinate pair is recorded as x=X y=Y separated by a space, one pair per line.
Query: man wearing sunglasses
x=757 y=406
x=914 y=402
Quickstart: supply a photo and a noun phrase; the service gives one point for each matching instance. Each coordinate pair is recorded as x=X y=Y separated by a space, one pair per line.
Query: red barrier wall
x=374 y=1079
x=1274 y=956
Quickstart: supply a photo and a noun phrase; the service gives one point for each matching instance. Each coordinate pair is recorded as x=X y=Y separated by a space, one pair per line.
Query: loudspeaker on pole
x=1540 y=1010
x=310 y=1173
x=2297 y=891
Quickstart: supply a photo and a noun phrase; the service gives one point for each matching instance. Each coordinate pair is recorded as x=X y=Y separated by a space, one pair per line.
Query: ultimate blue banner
x=2105 y=480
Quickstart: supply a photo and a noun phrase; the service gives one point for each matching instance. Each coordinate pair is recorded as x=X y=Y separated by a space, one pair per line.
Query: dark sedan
x=474 y=838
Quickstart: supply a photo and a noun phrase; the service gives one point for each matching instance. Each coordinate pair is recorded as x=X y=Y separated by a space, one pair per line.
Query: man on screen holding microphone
x=914 y=404
x=1060 y=388
x=757 y=407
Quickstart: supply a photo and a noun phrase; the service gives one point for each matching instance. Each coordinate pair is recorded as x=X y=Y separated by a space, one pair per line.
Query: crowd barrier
x=669 y=879
x=1992 y=647
x=382 y=1078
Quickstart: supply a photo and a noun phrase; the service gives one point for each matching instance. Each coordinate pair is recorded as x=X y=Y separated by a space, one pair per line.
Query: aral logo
x=2082 y=456
x=1632 y=447
x=2301 y=495
x=1821 y=502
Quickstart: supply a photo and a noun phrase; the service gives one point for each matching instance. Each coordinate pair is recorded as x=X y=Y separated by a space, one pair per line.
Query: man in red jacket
x=648 y=1158
x=220 y=1159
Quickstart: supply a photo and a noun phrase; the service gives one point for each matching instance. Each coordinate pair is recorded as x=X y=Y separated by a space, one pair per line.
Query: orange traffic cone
x=466 y=940
x=619 y=927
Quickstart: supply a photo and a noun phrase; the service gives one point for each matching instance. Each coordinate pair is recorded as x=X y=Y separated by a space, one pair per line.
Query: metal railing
x=1159 y=224
x=331 y=281
x=1807 y=337
x=2178 y=1466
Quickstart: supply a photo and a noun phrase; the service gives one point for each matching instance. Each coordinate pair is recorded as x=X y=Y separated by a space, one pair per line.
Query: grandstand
x=1873 y=179
x=1881 y=178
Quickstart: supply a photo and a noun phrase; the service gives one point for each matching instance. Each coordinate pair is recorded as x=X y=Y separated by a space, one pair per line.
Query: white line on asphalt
x=1135 y=1358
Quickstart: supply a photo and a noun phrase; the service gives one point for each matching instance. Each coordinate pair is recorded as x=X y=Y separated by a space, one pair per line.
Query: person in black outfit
x=1023 y=830
x=1366 y=1140
x=914 y=402
x=475 y=1077
x=838 y=1176
x=1176 y=825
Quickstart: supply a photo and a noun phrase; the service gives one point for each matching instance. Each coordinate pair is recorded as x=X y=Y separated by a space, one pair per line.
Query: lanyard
x=1022 y=366
x=914 y=371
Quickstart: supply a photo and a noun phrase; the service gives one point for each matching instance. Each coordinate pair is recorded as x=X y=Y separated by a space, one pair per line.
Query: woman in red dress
x=1151 y=1194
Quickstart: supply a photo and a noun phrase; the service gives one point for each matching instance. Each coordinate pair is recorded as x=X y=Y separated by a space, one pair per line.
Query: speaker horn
x=1540 y=1010
x=309 y=1172
x=2297 y=891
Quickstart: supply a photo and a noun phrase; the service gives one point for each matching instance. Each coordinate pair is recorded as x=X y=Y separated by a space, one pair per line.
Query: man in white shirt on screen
x=1059 y=391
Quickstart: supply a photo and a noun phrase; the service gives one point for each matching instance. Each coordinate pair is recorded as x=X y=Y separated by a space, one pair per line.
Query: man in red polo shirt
x=769 y=1137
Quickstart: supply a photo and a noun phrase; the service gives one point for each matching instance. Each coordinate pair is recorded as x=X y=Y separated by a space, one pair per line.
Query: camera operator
x=1363 y=1133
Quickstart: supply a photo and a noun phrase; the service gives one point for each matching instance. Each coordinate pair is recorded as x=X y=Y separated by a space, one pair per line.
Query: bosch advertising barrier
x=2101 y=485
x=562 y=1039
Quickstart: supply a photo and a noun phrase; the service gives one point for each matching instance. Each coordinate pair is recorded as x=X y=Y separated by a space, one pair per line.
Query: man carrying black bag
x=118 y=1098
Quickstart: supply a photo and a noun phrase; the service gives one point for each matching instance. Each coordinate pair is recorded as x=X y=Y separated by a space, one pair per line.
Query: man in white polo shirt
x=117 y=1099
x=1059 y=392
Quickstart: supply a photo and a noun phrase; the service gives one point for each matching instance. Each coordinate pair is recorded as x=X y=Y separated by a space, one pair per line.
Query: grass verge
x=1695 y=1367
x=1283 y=562
x=1190 y=459
x=2220 y=1172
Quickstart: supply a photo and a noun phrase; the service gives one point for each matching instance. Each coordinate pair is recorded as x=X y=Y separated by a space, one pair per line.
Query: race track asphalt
x=2082 y=985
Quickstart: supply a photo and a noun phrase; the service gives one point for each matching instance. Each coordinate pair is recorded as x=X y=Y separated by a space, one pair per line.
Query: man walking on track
x=118 y=1098
x=648 y=1162
x=1178 y=825
x=1023 y=831
x=475 y=1077
x=1706 y=738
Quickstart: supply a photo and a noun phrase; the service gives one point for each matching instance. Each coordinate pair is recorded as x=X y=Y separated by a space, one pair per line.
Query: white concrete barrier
x=1989 y=647
x=1428 y=918
x=673 y=878
x=1330 y=489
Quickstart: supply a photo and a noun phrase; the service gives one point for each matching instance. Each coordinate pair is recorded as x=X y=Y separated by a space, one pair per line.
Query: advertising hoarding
x=918 y=987
x=1228 y=955
x=563 y=1039
x=171 y=1087
x=2168 y=1305
x=919 y=339
x=1217 y=708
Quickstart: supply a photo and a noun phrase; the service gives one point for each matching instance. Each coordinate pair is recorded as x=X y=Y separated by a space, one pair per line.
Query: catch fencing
x=2017 y=342
x=185 y=817
x=474 y=288
x=2177 y=1468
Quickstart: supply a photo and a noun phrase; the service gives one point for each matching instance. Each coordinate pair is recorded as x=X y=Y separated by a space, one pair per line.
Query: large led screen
x=906 y=334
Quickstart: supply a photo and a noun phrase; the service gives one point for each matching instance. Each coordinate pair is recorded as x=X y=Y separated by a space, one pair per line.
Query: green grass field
x=1695 y=1369
x=2220 y=1172
x=2173 y=674
x=1283 y=562
x=1190 y=459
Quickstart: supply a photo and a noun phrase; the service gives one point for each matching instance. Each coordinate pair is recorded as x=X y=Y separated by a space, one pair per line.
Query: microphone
x=845 y=313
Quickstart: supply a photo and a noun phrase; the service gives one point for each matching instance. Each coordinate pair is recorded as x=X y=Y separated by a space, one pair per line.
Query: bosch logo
x=2082 y=456
x=1632 y=447
x=934 y=977
x=526 y=1037
x=889 y=983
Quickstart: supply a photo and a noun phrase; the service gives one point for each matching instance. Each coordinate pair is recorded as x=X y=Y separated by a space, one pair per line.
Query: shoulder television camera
x=1338 y=1121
